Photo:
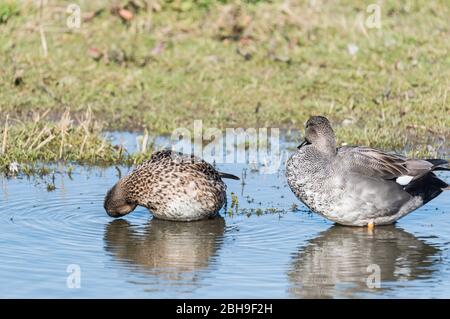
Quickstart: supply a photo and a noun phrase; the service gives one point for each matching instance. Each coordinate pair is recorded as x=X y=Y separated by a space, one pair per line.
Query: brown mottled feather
x=172 y=185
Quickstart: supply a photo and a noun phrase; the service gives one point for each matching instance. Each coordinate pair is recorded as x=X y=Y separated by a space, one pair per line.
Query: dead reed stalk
x=5 y=135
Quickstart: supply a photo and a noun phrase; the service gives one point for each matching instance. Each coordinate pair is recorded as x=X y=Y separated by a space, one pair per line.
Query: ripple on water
x=292 y=254
x=47 y=231
x=340 y=260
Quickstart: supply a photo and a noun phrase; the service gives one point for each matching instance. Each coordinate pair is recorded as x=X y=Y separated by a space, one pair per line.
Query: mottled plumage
x=359 y=185
x=172 y=186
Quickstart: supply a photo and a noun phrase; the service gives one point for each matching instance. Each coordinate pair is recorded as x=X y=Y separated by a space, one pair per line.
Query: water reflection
x=169 y=250
x=334 y=264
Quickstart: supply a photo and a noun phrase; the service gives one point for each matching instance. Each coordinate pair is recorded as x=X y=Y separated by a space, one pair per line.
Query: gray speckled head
x=320 y=134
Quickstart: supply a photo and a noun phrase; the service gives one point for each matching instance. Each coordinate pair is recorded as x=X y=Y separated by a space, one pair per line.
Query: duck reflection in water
x=171 y=251
x=335 y=264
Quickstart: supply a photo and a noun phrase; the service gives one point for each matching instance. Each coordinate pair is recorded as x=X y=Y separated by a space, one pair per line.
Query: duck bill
x=305 y=142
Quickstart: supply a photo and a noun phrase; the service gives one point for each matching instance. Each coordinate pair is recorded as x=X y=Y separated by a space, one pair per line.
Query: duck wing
x=376 y=163
x=191 y=160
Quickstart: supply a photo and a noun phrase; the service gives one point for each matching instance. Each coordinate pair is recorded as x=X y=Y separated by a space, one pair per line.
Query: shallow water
x=265 y=249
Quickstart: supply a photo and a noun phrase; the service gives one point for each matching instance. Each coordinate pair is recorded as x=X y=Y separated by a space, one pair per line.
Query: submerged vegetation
x=157 y=65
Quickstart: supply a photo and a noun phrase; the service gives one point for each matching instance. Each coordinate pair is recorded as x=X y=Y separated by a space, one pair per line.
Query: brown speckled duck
x=173 y=186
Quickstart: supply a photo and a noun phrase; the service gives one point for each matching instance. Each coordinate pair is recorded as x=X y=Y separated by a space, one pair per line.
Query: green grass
x=26 y=147
x=8 y=9
x=237 y=64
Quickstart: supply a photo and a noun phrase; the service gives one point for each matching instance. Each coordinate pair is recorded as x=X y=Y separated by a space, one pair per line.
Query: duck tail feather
x=427 y=187
x=230 y=176
x=437 y=161
x=439 y=164
x=440 y=168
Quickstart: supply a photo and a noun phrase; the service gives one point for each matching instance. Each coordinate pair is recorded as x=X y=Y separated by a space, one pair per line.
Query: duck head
x=320 y=134
x=117 y=202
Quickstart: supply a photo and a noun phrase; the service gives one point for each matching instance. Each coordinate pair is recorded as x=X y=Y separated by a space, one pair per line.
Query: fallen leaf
x=88 y=16
x=399 y=65
x=125 y=14
x=95 y=53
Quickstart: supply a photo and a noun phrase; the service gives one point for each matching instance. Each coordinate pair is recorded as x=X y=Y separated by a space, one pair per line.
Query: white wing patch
x=404 y=180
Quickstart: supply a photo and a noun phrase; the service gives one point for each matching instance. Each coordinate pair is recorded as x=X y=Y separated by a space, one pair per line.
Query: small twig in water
x=119 y=172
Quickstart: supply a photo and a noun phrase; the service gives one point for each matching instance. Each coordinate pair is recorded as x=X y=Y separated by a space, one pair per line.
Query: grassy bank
x=26 y=147
x=160 y=64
